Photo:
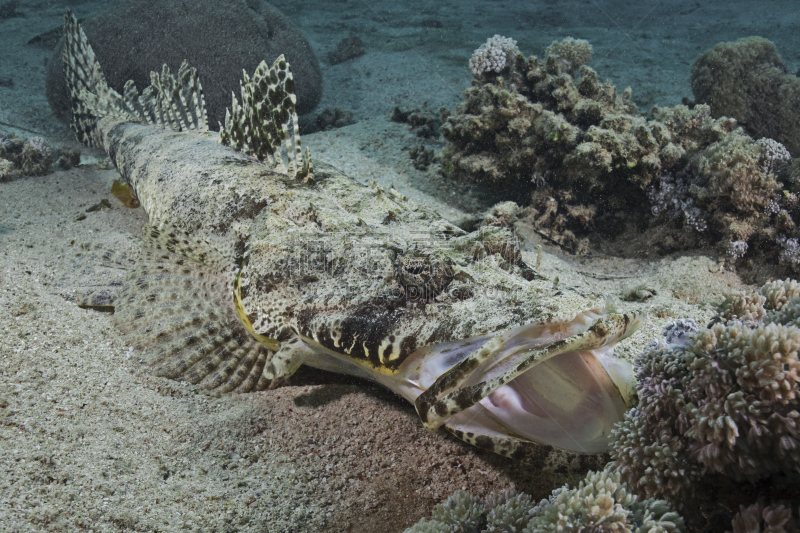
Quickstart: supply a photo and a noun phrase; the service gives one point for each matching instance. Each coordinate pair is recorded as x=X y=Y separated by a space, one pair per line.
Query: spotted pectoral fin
x=176 y=309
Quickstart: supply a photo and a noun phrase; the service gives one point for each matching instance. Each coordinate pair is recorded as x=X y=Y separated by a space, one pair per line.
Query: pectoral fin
x=176 y=309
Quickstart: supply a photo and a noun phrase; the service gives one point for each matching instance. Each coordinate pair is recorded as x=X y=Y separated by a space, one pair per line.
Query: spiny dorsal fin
x=169 y=102
x=90 y=95
x=262 y=122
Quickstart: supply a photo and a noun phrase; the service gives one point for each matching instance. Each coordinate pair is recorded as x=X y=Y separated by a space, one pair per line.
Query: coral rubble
x=32 y=157
x=348 y=48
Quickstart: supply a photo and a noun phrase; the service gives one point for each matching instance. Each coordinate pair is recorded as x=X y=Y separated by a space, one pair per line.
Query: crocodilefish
x=255 y=262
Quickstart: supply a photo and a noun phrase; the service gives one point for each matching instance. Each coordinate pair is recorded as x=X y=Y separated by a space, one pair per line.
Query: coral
x=32 y=157
x=773 y=208
x=5 y=144
x=671 y=199
x=36 y=157
x=502 y=214
x=570 y=53
x=591 y=164
x=759 y=519
x=718 y=416
x=330 y=118
x=421 y=157
x=508 y=512
x=68 y=158
x=6 y=169
x=776 y=158
x=736 y=250
x=790 y=252
x=460 y=512
x=422 y=124
x=680 y=331
x=219 y=38
x=748 y=81
x=734 y=181
x=493 y=56
x=600 y=503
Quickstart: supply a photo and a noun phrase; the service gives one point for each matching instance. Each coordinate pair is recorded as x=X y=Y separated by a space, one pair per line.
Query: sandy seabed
x=90 y=441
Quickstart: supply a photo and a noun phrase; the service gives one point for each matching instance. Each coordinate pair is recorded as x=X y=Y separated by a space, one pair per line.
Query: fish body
x=255 y=263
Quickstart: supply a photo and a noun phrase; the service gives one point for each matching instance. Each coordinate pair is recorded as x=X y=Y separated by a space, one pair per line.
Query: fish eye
x=420 y=277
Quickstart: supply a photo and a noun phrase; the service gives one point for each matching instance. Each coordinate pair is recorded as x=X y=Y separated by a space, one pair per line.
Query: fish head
x=432 y=311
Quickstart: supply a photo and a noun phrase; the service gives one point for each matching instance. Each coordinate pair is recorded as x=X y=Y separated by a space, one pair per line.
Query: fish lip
x=497 y=372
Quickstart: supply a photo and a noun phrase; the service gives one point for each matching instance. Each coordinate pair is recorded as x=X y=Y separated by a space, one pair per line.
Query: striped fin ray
x=90 y=96
x=266 y=119
x=169 y=102
x=176 y=308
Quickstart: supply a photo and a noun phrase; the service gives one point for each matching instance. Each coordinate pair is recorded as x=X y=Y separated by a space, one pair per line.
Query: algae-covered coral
x=31 y=157
x=747 y=80
x=550 y=134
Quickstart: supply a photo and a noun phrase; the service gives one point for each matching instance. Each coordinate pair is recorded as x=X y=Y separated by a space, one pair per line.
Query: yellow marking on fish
x=272 y=344
x=387 y=353
x=363 y=363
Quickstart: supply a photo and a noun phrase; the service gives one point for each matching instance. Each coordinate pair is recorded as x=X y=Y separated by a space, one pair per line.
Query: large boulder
x=218 y=37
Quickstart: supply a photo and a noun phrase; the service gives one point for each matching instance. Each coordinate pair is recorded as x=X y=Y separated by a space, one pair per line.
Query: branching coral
x=760 y=519
x=494 y=56
x=671 y=199
x=570 y=53
x=717 y=423
x=600 y=503
x=776 y=158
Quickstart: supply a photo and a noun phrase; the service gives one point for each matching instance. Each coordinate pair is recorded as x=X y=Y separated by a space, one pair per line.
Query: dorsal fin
x=169 y=102
x=90 y=95
x=266 y=119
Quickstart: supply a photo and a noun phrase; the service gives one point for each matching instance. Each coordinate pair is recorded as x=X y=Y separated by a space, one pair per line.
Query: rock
x=218 y=37
x=348 y=48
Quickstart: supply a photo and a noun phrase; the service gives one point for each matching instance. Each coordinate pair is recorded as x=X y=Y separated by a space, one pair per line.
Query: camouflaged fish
x=255 y=263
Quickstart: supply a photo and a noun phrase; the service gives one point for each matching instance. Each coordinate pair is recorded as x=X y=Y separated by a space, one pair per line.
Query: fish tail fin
x=169 y=102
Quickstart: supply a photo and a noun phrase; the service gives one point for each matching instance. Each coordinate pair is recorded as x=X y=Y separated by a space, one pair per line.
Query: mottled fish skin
x=247 y=272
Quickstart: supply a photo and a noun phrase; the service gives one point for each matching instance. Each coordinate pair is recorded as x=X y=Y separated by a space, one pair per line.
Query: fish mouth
x=555 y=383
